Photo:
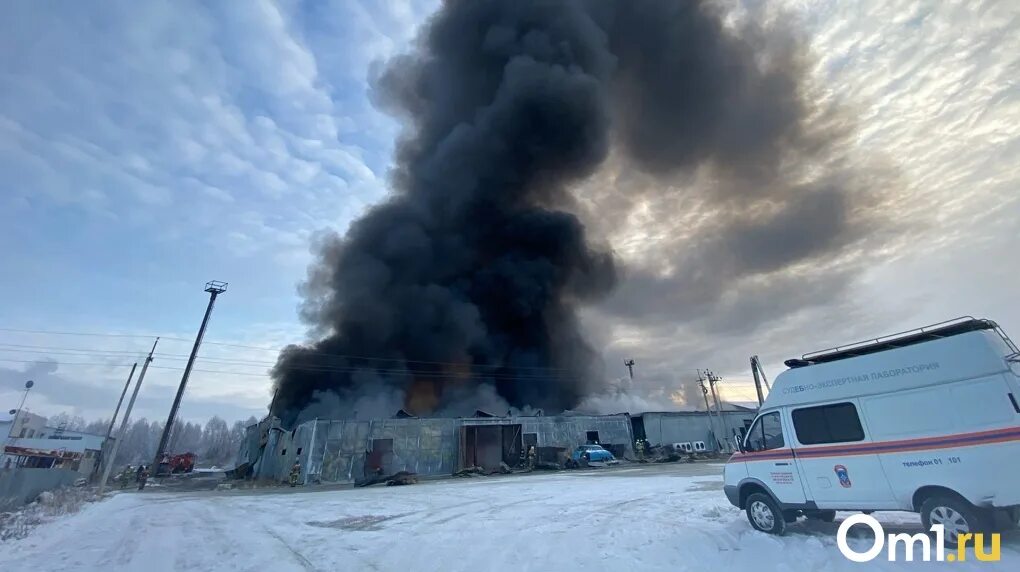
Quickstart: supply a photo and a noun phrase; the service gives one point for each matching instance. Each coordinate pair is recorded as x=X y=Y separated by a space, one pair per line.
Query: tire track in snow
x=304 y=562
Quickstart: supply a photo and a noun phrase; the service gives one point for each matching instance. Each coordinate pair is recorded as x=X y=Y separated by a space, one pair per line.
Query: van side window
x=766 y=434
x=836 y=423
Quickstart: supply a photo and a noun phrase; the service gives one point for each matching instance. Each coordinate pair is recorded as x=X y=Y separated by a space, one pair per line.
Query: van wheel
x=764 y=515
x=957 y=516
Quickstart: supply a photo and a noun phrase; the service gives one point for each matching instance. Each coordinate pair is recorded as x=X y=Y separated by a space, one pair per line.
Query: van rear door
x=840 y=469
x=769 y=459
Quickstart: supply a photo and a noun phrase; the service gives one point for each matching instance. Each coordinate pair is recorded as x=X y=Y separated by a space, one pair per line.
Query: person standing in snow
x=295 y=473
x=142 y=476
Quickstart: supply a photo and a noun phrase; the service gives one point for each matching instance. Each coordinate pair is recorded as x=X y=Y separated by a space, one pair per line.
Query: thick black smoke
x=462 y=290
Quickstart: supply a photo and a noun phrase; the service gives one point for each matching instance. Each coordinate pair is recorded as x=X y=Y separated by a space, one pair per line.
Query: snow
x=662 y=517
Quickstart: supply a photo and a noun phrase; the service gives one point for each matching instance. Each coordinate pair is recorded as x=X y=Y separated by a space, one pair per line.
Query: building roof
x=45 y=447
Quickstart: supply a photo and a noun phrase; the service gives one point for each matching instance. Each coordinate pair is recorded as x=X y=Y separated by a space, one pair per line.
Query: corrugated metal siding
x=669 y=427
x=336 y=451
x=422 y=446
x=571 y=431
x=568 y=431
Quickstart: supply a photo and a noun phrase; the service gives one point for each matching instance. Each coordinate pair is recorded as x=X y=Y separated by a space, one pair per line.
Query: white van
x=925 y=421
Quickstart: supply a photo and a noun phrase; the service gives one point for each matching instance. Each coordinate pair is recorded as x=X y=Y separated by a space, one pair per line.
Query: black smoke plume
x=462 y=289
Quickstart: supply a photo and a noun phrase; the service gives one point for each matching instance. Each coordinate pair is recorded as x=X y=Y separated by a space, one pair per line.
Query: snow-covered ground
x=671 y=517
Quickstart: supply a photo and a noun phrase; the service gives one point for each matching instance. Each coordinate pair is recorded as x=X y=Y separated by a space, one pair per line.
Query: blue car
x=584 y=454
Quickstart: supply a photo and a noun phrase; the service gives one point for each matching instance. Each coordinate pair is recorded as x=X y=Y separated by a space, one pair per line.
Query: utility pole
x=630 y=367
x=708 y=409
x=214 y=288
x=713 y=379
x=755 y=366
x=764 y=378
x=109 y=430
x=124 y=421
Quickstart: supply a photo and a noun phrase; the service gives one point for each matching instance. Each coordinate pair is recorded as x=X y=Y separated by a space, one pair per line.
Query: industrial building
x=340 y=451
x=668 y=427
x=36 y=457
x=30 y=443
x=345 y=451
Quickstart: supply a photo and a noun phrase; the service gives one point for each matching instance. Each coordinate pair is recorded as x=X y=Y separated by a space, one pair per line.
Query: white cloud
x=206 y=129
x=227 y=101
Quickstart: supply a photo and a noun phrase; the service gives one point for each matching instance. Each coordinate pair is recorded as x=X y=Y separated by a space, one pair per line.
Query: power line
x=416 y=374
x=71 y=349
x=63 y=363
x=104 y=335
x=529 y=372
x=304 y=350
x=65 y=353
x=325 y=368
x=329 y=368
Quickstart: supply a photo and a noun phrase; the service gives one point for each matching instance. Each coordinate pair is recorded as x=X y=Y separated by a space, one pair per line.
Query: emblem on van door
x=844 y=476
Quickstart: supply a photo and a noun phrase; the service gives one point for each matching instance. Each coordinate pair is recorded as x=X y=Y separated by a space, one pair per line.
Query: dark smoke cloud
x=463 y=289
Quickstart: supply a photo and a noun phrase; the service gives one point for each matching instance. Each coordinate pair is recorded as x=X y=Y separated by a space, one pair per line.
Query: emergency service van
x=926 y=421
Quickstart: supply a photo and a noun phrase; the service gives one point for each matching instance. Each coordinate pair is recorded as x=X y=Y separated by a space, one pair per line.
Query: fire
x=425 y=394
x=422 y=396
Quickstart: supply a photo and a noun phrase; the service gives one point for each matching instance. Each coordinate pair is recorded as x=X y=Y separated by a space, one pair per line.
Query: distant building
x=29 y=442
x=23 y=424
x=668 y=427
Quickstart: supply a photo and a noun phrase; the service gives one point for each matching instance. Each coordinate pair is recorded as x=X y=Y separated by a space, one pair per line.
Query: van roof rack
x=945 y=329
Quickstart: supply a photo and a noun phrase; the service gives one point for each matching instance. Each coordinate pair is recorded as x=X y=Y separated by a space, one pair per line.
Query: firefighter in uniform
x=640 y=446
x=295 y=473
x=531 y=457
x=141 y=476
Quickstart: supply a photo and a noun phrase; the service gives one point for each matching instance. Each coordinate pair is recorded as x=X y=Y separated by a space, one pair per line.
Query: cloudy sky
x=147 y=148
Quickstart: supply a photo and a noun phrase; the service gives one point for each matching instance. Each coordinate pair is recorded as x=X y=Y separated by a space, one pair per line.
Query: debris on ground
x=398 y=478
x=242 y=471
x=469 y=472
x=665 y=454
x=547 y=466
x=402 y=478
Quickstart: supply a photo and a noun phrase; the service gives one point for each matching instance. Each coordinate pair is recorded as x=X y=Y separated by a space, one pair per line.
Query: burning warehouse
x=337 y=451
x=351 y=450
